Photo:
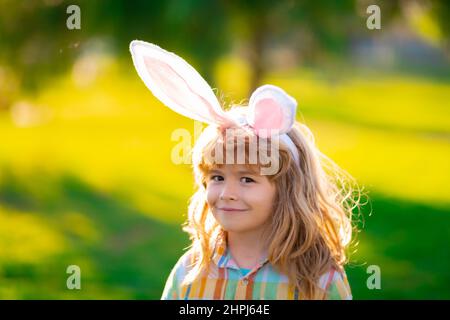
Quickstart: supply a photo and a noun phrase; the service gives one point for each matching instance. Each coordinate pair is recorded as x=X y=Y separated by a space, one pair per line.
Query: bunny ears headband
x=180 y=87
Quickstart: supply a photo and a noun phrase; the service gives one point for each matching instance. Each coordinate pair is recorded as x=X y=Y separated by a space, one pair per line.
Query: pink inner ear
x=169 y=81
x=268 y=115
x=183 y=98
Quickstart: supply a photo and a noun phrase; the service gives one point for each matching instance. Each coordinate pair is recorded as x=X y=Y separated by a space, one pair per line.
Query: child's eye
x=216 y=178
x=247 y=180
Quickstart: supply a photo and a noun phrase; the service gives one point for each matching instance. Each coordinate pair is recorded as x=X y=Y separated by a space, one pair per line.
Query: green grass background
x=86 y=179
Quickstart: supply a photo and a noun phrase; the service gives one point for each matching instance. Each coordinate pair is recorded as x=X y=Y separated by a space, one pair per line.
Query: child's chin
x=231 y=227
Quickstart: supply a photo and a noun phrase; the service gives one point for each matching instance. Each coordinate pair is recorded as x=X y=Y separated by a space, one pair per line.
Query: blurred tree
x=440 y=11
x=36 y=44
x=316 y=30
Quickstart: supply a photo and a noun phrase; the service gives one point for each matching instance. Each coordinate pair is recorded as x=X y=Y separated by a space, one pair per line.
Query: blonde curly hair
x=313 y=215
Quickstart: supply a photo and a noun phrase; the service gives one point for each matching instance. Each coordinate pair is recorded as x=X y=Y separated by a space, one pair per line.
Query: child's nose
x=229 y=192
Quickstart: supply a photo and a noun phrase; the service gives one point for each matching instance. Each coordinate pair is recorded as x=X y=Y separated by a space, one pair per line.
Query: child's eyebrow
x=214 y=171
x=247 y=172
x=240 y=172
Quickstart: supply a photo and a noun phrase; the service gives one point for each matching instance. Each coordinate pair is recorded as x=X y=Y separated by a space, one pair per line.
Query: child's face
x=240 y=200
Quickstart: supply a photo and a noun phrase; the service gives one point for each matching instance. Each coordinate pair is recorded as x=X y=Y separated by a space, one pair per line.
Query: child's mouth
x=227 y=209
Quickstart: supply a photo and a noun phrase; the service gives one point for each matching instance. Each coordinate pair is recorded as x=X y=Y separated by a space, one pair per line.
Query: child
x=271 y=217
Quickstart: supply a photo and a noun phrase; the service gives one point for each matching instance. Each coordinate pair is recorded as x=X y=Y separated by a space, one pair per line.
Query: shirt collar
x=222 y=257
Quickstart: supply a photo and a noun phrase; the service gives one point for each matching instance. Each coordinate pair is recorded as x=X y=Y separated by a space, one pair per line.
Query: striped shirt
x=225 y=280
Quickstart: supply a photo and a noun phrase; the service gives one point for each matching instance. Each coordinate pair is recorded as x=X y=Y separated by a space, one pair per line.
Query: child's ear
x=271 y=111
x=176 y=83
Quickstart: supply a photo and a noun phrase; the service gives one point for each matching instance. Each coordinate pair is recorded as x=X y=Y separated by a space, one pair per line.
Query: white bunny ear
x=176 y=83
x=271 y=110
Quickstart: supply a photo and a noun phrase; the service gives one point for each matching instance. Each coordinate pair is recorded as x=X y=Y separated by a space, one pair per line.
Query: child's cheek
x=211 y=195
